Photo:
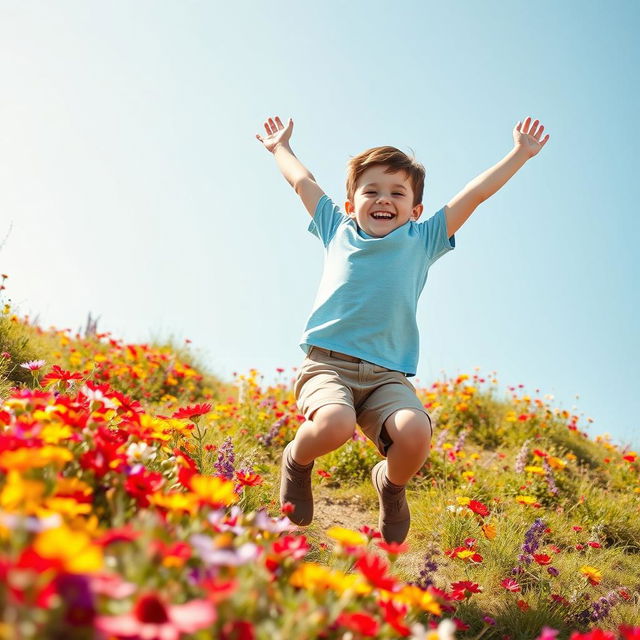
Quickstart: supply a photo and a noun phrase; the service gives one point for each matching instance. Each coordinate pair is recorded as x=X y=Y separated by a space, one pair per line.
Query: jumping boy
x=361 y=339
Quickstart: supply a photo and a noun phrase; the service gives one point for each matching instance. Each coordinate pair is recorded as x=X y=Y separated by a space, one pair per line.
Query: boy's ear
x=417 y=212
x=349 y=208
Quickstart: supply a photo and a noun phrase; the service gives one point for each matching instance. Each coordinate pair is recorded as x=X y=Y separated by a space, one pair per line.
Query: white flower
x=33 y=365
x=140 y=452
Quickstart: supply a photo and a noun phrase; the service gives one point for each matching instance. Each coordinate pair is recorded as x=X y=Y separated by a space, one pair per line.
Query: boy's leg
x=330 y=427
x=394 y=418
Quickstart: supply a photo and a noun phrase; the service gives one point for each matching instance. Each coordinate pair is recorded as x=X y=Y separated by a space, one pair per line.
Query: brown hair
x=395 y=160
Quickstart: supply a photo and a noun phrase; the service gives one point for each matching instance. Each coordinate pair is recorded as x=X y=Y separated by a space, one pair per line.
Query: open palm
x=527 y=136
x=277 y=133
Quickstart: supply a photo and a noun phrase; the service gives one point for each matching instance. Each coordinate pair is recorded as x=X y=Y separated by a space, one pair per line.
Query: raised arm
x=295 y=173
x=526 y=144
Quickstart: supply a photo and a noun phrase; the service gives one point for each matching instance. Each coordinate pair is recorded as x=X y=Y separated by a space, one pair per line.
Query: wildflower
x=193 y=411
x=510 y=584
x=153 y=619
x=248 y=479
x=521 y=458
x=532 y=539
x=550 y=480
x=430 y=567
x=542 y=558
x=547 y=633
x=523 y=605
x=70 y=551
x=323 y=474
x=393 y=548
x=361 y=623
x=374 y=569
x=226 y=458
x=553 y=571
x=295 y=547
x=489 y=531
x=60 y=375
x=214 y=491
x=478 y=507
x=224 y=556
x=347 y=537
x=33 y=365
x=593 y=575
x=489 y=620
x=466 y=588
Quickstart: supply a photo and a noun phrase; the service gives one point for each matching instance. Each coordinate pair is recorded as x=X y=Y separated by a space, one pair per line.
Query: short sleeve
x=326 y=219
x=434 y=234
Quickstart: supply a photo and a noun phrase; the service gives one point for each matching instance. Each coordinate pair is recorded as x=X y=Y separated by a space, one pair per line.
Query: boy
x=361 y=339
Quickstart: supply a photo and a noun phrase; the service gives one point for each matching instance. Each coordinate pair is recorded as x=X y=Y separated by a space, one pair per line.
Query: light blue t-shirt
x=368 y=294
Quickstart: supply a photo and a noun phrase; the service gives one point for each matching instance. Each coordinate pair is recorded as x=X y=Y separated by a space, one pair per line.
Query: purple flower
x=548 y=476
x=521 y=459
x=226 y=458
x=532 y=540
x=553 y=571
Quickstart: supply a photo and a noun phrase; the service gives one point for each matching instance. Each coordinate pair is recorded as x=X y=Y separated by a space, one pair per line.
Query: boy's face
x=377 y=191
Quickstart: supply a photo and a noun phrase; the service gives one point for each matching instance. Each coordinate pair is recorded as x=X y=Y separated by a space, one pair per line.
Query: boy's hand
x=527 y=139
x=277 y=133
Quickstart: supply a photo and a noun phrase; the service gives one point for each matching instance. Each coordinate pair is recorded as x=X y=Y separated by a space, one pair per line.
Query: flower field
x=138 y=499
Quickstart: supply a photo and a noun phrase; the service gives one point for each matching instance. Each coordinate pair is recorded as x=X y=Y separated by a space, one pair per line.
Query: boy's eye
x=396 y=193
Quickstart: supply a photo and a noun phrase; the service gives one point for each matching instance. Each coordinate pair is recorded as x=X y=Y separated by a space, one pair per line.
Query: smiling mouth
x=387 y=218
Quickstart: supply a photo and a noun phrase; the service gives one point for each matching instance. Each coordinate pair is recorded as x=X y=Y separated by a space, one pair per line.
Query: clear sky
x=132 y=185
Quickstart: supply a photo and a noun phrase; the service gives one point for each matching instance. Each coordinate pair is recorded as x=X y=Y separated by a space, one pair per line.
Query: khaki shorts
x=372 y=391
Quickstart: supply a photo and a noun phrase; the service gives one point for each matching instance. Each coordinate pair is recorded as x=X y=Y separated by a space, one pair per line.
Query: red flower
x=293 y=546
x=323 y=474
x=193 y=411
x=369 y=532
x=596 y=634
x=374 y=569
x=577 y=528
x=478 y=507
x=151 y=618
x=629 y=633
x=466 y=587
x=542 y=558
x=56 y=374
x=248 y=479
x=510 y=584
x=595 y=545
x=394 y=613
x=393 y=548
x=143 y=483
x=523 y=605
x=360 y=623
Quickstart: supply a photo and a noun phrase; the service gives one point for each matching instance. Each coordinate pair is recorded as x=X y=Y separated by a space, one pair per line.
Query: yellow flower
x=468 y=474
x=526 y=499
x=214 y=490
x=72 y=485
x=534 y=469
x=414 y=596
x=73 y=549
x=594 y=575
x=29 y=458
x=54 y=432
x=570 y=456
x=311 y=575
x=19 y=494
x=347 y=537
x=463 y=500
x=176 y=501
x=341 y=582
x=511 y=416
x=489 y=531
x=556 y=463
x=67 y=506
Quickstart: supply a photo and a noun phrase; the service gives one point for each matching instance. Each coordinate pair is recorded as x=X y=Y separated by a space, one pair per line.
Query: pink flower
x=152 y=619
x=33 y=365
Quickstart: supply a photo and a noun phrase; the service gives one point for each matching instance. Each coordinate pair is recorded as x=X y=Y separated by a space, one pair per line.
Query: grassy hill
x=136 y=489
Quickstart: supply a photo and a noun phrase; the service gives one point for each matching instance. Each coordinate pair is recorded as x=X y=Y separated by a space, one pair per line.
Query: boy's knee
x=411 y=427
x=337 y=419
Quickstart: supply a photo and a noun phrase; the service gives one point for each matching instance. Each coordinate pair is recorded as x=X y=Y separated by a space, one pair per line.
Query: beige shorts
x=372 y=391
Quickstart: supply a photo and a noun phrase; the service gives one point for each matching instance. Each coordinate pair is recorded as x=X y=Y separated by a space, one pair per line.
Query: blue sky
x=132 y=184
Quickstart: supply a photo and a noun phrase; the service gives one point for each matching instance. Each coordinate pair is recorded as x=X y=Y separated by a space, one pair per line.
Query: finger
x=539 y=132
x=258 y=136
x=527 y=122
x=273 y=125
x=266 y=127
x=545 y=140
x=534 y=127
x=279 y=123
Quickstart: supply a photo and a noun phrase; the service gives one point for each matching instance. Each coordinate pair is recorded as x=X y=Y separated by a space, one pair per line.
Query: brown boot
x=295 y=487
x=394 y=517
